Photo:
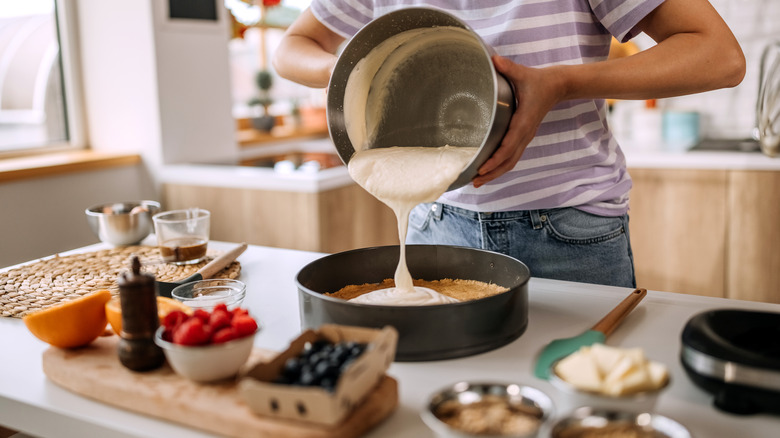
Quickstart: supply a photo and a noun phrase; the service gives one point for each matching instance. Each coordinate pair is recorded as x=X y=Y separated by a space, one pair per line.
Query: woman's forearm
x=306 y=53
x=304 y=62
x=700 y=55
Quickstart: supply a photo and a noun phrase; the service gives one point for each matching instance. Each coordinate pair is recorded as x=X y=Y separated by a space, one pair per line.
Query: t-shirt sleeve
x=345 y=17
x=620 y=17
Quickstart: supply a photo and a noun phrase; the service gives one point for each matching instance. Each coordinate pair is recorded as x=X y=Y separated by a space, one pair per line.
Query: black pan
x=426 y=333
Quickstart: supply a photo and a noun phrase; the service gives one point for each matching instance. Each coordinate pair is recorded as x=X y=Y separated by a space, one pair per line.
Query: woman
x=555 y=192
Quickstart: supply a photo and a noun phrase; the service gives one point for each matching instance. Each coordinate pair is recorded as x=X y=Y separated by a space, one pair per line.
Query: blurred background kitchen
x=176 y=101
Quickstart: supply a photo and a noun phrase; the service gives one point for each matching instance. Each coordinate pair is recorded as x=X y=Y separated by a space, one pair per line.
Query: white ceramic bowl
x=205 y=294
x=571 y=397
x=589 y=422
x=207 y=363
x=525 y=399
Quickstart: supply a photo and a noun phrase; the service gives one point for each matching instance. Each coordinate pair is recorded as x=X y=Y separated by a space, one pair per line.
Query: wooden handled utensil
x=559 y=348
x=164 y=288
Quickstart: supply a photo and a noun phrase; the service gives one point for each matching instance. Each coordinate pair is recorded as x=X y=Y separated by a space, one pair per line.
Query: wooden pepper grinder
x=138 y=299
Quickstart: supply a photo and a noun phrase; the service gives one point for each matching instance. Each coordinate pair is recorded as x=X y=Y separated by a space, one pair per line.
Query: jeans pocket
x=420 y=216
x=578 y=227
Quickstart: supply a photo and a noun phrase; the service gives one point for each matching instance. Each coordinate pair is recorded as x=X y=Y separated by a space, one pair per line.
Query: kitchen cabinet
x=331 y=220
x=754 y=236
x=707 y=232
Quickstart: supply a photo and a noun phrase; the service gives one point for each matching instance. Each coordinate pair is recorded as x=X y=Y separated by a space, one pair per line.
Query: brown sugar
x=461 y=290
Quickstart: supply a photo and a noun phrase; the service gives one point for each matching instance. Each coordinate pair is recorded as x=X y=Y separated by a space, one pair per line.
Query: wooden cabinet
x=754 y=236
x=707 y=232
x=328 y=221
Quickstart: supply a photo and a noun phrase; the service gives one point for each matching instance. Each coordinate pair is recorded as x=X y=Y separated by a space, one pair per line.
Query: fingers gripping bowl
x=425 y=333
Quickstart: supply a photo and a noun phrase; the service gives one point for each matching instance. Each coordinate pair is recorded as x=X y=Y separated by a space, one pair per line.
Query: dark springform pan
x=426 y=333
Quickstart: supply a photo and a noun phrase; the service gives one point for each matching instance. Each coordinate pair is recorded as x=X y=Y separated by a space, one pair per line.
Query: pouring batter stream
x=403 y=177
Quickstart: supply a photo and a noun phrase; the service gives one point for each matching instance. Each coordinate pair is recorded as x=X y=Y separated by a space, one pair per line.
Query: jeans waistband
x=535 y=216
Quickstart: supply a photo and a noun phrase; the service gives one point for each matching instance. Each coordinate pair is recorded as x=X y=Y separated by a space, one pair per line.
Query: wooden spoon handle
x=609 y=323
x=221 y=262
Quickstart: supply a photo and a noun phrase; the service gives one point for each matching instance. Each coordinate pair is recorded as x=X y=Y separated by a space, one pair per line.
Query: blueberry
x=309 y=379
x=328 y=383
x=292 y=367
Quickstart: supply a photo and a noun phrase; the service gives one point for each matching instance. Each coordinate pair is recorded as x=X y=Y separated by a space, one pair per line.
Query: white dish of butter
x=600 y=376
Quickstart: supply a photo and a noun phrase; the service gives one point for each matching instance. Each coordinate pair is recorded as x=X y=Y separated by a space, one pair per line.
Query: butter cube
x=658 y=374
x=637 y=379
x=606 y=357
x=581 y=371
x=622 y=368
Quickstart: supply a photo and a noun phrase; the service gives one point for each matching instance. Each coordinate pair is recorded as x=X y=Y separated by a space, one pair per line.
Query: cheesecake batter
x=403 y=177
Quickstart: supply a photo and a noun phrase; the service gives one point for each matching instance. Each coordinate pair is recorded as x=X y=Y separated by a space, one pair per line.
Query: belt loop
x=536 y=221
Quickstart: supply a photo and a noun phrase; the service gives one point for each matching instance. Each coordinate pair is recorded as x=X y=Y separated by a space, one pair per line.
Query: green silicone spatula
x=597 y=334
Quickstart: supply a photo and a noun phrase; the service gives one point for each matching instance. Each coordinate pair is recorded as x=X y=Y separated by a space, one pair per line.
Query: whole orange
x=71 y=324
x=165 y=305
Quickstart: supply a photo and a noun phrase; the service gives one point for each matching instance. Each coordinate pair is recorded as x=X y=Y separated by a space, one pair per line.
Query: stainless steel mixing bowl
x=434 y=332
x=443 y=93
x=122 y=223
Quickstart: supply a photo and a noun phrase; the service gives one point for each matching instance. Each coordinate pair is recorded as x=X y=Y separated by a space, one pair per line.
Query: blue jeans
x=562 y=243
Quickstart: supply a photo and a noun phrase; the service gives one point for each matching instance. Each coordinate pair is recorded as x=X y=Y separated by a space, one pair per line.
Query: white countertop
x=700 y=160
x=31 y=403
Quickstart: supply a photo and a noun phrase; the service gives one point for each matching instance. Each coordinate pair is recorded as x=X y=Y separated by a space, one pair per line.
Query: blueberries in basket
x=321 y=363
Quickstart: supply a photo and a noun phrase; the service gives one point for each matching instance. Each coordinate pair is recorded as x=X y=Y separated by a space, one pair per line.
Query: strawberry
x=223 y=335
x=238 y=311
x=244 y=325
x=219 y=318
x=202 y=314
x=221 y=307
x=173 y=319
x=192 y=332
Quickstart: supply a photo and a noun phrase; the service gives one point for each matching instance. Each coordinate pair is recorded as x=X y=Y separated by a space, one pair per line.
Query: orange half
x=165 y=306
x=71 y=324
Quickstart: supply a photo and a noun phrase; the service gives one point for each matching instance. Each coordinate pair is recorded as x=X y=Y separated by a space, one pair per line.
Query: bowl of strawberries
x=207 y=346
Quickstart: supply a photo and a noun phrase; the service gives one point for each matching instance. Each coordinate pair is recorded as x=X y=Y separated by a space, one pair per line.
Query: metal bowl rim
x=321 y=295
x=93 y=210
x=335 y=99
x=610 y=415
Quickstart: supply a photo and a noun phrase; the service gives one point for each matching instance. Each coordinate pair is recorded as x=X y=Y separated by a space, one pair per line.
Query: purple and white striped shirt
x=573 y=161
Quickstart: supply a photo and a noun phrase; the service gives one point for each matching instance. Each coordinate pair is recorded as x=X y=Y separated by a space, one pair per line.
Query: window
x=38 y=96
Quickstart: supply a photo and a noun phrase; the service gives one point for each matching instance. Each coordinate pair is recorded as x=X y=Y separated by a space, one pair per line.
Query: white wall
x=731 y=113
x=43 y=216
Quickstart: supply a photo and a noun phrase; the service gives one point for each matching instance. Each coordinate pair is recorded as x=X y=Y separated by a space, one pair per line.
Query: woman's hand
x=695 y=52
x=536 y=92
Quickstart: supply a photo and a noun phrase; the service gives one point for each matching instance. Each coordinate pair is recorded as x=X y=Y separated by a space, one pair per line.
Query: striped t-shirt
x=573 y=161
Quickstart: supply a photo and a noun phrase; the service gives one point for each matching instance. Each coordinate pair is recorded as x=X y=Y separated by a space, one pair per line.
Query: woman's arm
x=695 y=52
x=306 y=53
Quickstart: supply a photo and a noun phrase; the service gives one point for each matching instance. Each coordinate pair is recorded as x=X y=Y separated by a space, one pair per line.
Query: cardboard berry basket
x=313 y=403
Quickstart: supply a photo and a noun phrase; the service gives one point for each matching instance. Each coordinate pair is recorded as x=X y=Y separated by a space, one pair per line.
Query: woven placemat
x=57 y=279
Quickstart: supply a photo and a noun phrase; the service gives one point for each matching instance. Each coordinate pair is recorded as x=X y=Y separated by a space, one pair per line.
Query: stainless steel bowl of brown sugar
x=425 y=332
x=587 y=422
x=122 y=223
x=488 y=409
x=418 y=77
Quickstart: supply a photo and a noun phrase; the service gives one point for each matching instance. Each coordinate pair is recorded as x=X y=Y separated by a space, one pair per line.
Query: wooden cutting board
x=95 y=371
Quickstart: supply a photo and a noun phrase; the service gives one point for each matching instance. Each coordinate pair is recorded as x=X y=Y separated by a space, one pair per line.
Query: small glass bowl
x=588 y=421
x=206 y=294
x=523 y=400
x=206 y=363
x=573 y=397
